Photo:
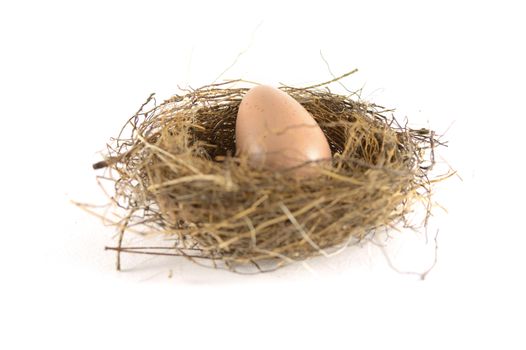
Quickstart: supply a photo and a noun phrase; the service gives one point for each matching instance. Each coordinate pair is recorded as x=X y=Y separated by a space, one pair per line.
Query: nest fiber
x=175 y=173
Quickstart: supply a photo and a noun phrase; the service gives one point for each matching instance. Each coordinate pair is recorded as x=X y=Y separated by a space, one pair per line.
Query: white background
x=72 y=72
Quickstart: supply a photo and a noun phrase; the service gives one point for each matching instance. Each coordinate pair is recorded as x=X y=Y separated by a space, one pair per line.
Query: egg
x=276 y=132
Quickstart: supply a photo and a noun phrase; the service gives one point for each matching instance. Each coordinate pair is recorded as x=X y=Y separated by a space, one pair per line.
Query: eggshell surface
x=276 y=132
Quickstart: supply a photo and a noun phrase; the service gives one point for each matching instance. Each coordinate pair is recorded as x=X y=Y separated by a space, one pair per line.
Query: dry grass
x=174 y=174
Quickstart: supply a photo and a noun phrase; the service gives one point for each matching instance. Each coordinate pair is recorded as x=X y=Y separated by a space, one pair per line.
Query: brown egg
x=277 y=133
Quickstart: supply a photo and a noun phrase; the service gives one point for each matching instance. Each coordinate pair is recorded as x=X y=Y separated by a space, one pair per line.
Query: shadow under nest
x=175 y=175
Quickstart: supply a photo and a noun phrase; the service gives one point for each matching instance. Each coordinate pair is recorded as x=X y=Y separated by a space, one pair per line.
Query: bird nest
x=175 y=174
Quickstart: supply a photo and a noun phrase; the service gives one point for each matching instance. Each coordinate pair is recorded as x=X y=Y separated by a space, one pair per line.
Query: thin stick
x=332 y=80
x=122 y=229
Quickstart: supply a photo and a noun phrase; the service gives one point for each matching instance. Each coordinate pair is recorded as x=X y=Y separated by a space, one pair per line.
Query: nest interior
x=175 y=174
